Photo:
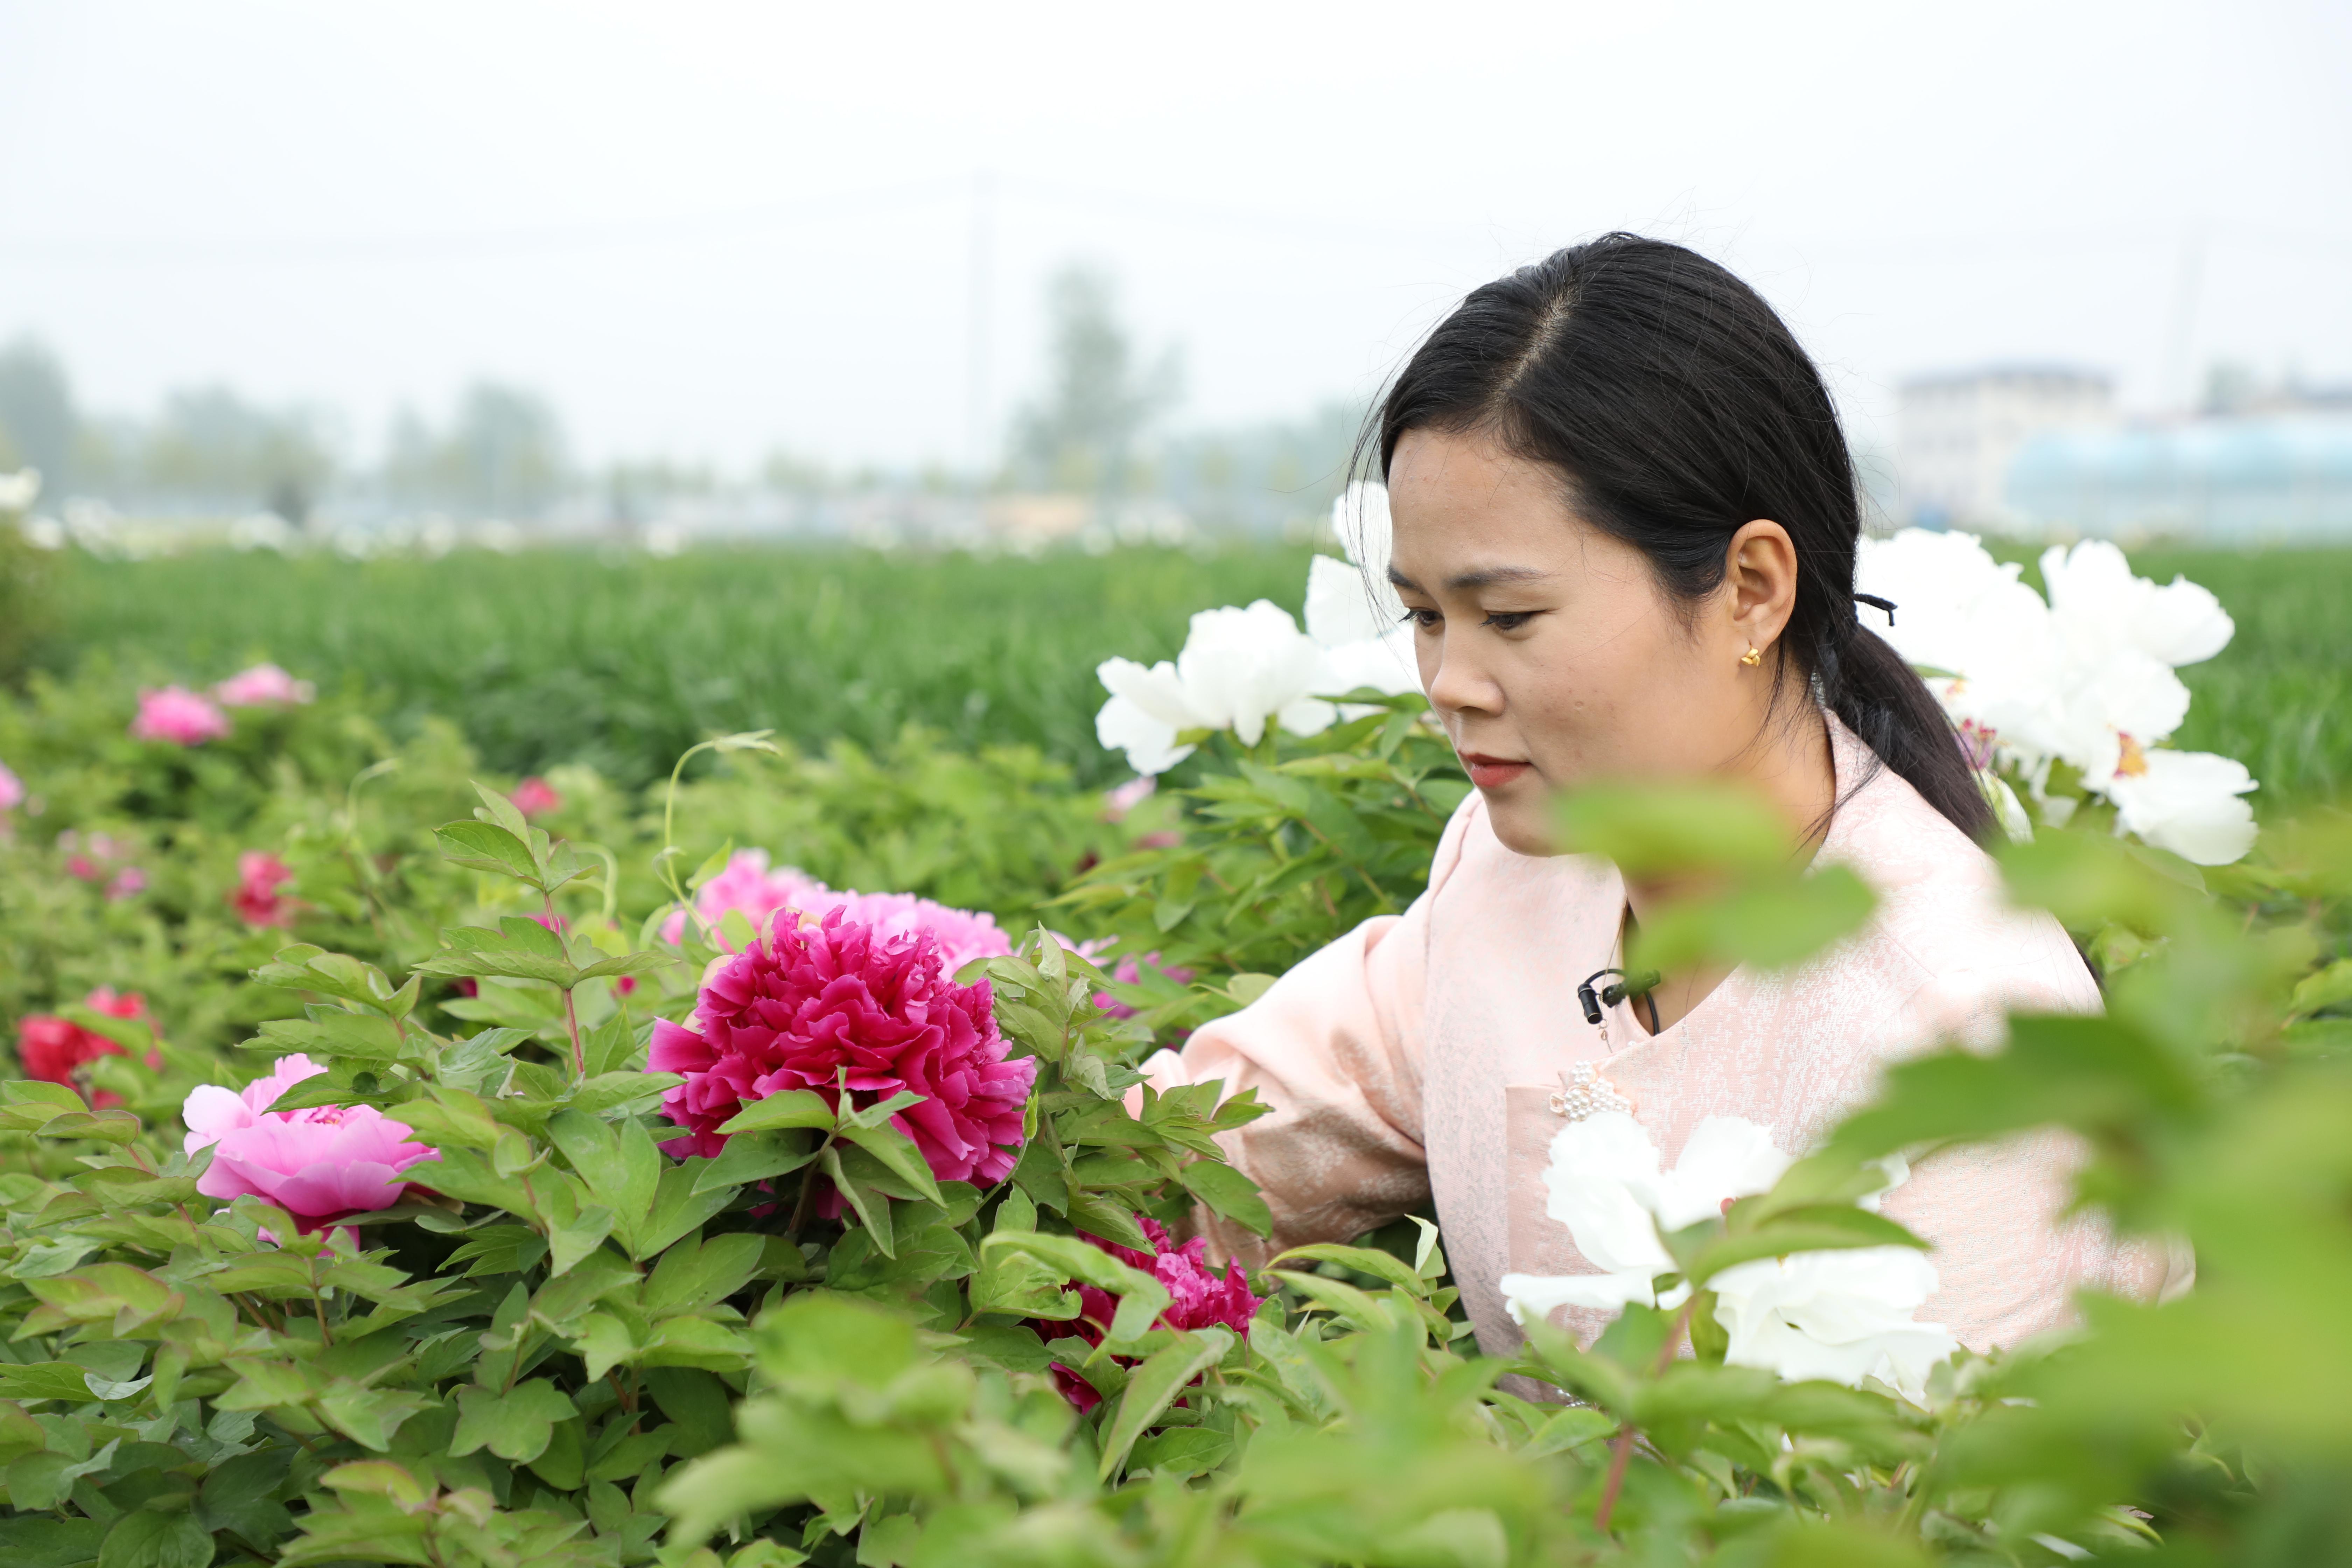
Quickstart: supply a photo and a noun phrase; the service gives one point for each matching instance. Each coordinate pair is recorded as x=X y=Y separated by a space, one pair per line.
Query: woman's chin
x=1522 y=818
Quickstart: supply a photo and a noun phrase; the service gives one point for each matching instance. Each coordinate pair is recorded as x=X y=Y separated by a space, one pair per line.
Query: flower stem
x=1620 y=1449
x=808 y=1191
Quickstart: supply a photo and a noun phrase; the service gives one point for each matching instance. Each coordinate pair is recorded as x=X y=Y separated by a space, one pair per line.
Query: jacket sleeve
x=1335 y=1049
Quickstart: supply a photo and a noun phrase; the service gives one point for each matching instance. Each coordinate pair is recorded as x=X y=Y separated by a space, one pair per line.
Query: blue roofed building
x=2283 y=477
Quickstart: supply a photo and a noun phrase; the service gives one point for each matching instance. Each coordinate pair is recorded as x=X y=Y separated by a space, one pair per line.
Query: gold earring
x=1751 y=659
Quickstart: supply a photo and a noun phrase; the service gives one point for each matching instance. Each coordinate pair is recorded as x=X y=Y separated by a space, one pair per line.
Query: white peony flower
x=2186 y=802
x=2093 y=586
x=2087 y=679
x=1350 y=618
x=1239 y=669
x=1840 y=1315
x=1605 y=1186
x=20 y=490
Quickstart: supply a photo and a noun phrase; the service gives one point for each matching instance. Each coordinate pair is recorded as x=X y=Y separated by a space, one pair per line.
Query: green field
x=564 y=656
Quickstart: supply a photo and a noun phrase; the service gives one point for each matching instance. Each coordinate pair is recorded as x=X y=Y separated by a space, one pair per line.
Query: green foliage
x=566 y=1345
x=622 y=661
x=1288 y=844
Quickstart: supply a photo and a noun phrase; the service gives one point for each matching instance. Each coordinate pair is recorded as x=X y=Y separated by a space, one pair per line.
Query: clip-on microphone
x=1594 y=1002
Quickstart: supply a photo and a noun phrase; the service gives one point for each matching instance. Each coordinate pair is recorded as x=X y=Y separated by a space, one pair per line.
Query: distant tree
x=36 y=412
x=212 y=445
x=503 y=455
x=1082 y=432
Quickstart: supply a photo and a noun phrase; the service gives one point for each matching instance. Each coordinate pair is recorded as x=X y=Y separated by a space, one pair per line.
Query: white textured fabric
x=1419 y=1054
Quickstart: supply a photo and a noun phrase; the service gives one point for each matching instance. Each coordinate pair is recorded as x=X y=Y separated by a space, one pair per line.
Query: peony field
x=574 y=1057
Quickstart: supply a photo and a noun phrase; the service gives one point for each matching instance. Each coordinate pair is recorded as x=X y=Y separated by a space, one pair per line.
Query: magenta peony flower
x=12 y=790
x=177 y=714
x=748 y=886
x=127 y=883
x=536 y=797
x=256 y=899
x=318 y=1164
x=806 y=1003
x=1197 y=1299
x=264 y=686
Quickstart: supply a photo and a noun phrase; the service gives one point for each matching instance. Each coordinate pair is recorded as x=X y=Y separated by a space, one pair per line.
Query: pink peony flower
x=265 y=685
x=748 y=886
x=1119 y=802
x=536 y=797
x=11 y=789
x=1128 y=972
x=318 y=1164
x=178 y=715
x=55 y=1049
x=116 y=1003
x=1197 y=1299
x=87 y=858
x=801 y=1005
x=256 y=899
x=127 y=883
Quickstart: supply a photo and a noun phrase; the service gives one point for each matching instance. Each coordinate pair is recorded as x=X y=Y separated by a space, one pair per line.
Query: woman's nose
x=1460 y=684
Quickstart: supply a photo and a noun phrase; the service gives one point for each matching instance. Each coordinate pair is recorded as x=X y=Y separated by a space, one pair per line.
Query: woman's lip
x=1491 y=773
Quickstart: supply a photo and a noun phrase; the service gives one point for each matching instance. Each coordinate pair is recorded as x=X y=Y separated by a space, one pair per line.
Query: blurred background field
x=624 y=660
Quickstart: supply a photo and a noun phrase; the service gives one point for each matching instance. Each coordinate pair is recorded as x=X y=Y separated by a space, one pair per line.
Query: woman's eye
x=1427 y=620
x=1508 y=620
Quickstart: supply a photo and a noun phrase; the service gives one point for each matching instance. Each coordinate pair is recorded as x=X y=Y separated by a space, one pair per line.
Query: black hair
x=1678 y=407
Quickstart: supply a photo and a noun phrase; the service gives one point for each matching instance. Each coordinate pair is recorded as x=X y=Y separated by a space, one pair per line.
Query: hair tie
x=1882 y=603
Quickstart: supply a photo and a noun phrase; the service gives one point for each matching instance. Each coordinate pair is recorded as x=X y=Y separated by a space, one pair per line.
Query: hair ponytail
x=1679 y=407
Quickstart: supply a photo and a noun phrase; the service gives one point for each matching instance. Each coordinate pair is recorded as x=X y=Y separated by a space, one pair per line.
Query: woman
x=1625 y=530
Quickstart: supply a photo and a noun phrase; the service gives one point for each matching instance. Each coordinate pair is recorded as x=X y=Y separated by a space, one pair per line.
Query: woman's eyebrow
x=1485 y=578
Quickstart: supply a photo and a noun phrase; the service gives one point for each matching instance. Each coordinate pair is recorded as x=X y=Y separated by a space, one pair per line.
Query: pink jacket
x=1419 y=1054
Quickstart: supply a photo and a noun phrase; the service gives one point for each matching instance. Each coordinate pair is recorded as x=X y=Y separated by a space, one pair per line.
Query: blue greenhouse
x=2281 y=478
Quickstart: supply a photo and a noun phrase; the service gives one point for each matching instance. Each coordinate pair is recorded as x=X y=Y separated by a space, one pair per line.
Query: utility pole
x=978 y=291
x=2188 y=287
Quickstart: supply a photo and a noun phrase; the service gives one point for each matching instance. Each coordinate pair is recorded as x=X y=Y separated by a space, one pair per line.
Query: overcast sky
x=708 y=230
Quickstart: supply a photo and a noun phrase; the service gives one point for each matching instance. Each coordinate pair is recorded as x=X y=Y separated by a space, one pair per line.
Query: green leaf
x=757 y=1157
x=1826 y=1227
x=1363 y=1260
x=677 y=1205
x=477 y=950
x=1229 y=1194
x=691 y=1276
x=619 y=1169
x=1151 y=1387
x=516 y=1426
x=362 y=1035
x=1099 y=1216
x=1180 y=1451
x=1021 y=1284
x=144 y=1539
x=44 y=1379
x=487 y=847
x=872 y=1209
x=371 y=1416
x=897 y=1152
x=503 y=811
x=785 y=1108
x=1142 y=1298
x=1654 y=827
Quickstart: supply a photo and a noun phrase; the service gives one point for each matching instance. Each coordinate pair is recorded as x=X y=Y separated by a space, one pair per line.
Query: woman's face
x=1548 y=649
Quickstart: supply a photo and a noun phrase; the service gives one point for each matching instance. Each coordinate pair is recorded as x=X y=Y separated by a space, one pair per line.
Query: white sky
x=709 y=230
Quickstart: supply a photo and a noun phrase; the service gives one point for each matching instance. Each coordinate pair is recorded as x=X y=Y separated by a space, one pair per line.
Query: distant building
x=2269 y=478
x=1956 y=434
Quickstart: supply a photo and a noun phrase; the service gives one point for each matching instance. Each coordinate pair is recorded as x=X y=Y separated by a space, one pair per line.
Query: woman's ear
x=1760 y=576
